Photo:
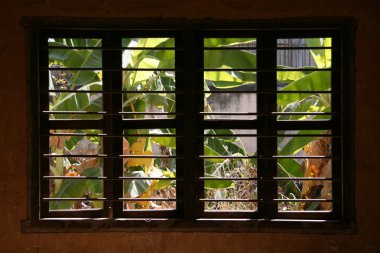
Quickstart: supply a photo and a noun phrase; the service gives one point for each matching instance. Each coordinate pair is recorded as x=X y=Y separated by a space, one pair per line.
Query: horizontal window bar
x=227 y=113
x=229 y=200
x=227 y=48
x=266 y=92
x=225 y=156
x=149 y=48
x=73 y=199
x=111 y=199
x=306 y=157
x=76 y=134
x=107 y=156
x=269 y=69
x=308 y=69
x=304 y=113
x=151 y=178
x=111 y=114
x=149 y=199
x=263 y=48
x=229 y=135
x=113 y=92
x=264 y=114
x=269 y=158
x=303 y=91
x=305 y=48
x=150 y=113
x=150 y=156
x=73 y=112
x=154 y=135
x=113 y=179
x=115 y=48
x=269 y=179
x=68 y=47
x=306 y=135
x=304 y=200
x=217 y=121
x=150 y=119
x=75 y=177
x=229 y=91
x=269 y=136
x=71 y=155
x=273 y=200
x=227 y=178
x=123 y=135
x=115 y=69
x=304 y=178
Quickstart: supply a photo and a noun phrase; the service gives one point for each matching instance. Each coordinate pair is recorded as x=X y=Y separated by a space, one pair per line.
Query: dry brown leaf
x=314 y=167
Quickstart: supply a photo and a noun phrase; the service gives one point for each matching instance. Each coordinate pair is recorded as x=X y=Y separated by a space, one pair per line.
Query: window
x=191 y=125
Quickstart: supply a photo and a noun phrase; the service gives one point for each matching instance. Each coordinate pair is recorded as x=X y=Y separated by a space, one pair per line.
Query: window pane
x=149 y=59
x=75 y=79
x=149 y=105
x=149 y=81
x=302 y=58
x=303 y=106
x=238 y=80
x=220 y=206
x=229 y=42
x=230 y=142
x=75 y=58
x=160 y=169
x=314 y=206
x=319 y=169
x=149 y=205
x=68 y=105
x=303 y=80
x=74 y=42
x=304 y=42
x=230 y=189
x=76 y=188
x=78 y=205
x=229 y=59
x=148 y=42
x=223 y=177
x=230 y=168
x=242 y=104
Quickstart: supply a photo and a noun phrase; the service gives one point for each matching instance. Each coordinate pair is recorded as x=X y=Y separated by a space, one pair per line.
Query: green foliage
x=162 y=81
x=135 y=188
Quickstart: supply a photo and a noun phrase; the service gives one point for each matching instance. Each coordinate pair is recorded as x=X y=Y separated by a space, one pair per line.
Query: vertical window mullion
x=266 y=142
x=43 y=122
x=180 y=107
x=113 y=146
x=192 y=60
x=337 y=119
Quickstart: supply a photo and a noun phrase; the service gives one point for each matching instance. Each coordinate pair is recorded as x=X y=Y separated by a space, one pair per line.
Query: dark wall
x=13 y=137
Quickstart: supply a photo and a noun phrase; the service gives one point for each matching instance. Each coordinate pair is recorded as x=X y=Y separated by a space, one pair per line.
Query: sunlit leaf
x=229 y=59
x=221 y=42
x=316 y=81
x=322 y=57
x=137 y=149
x=135 y=188
x=218 y=184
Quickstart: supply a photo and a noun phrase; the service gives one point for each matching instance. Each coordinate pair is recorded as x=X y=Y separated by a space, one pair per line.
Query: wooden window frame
x=190 y=34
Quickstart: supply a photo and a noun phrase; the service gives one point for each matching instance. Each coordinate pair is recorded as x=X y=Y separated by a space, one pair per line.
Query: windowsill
x=78 y=225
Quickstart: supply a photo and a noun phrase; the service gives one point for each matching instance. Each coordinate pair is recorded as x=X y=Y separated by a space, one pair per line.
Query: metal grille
x=270 y=117
x=94 y=158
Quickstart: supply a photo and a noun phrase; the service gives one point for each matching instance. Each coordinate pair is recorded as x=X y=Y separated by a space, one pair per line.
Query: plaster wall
x=13 y=137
